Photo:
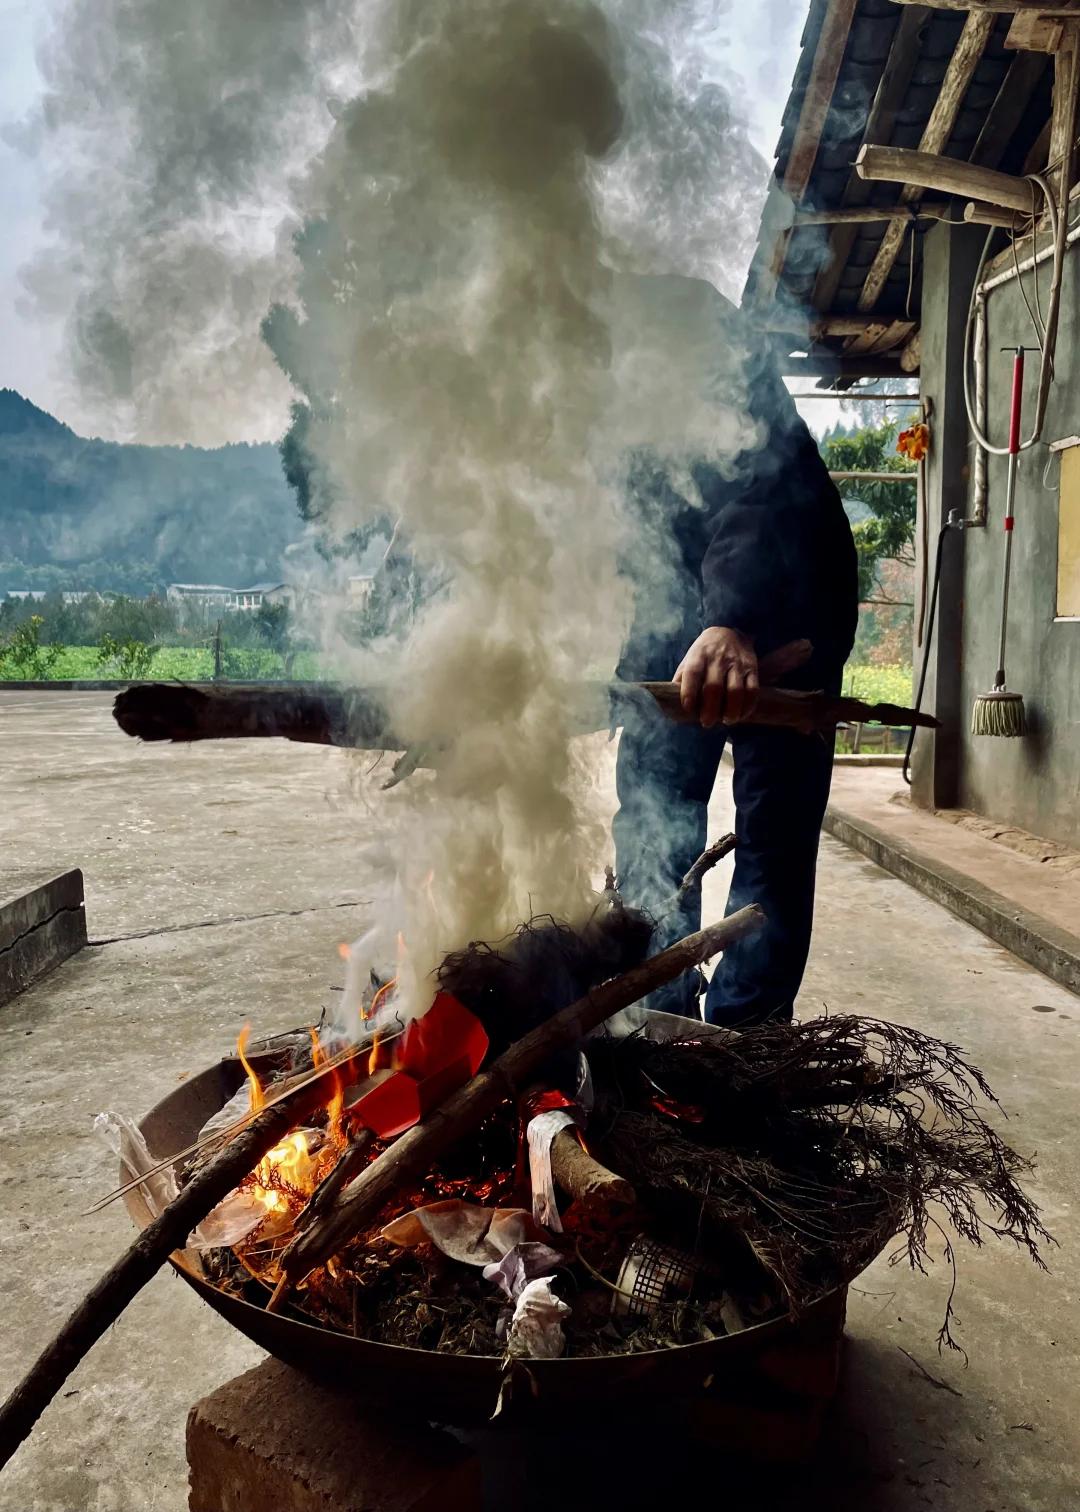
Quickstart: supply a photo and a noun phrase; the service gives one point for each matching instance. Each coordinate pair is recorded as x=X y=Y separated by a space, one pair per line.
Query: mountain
x=76 y=513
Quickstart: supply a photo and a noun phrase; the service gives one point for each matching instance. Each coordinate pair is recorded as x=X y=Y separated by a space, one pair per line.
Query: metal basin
x=463 y=1388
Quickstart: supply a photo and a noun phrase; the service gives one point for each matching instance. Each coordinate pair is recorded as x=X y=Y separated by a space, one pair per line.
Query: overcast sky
x=756 y=46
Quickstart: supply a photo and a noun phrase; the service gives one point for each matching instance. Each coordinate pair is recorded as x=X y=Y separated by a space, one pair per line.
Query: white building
x=216 y=596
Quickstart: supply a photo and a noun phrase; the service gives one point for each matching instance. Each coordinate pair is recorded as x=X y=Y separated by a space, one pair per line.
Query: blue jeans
x=665 y=777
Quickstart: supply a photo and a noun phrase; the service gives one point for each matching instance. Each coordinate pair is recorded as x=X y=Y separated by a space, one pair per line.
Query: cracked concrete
x=171 y=838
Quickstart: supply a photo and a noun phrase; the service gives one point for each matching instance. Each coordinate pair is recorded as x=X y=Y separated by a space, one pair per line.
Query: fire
x=287 y=1175
x=258 y=1096
x=335 y=1109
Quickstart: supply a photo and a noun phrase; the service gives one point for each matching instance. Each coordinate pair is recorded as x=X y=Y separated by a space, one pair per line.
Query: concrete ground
x=220 y=880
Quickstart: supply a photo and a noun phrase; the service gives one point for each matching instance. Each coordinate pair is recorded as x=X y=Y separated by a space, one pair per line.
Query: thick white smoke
x=476 y=369
x=462 y=312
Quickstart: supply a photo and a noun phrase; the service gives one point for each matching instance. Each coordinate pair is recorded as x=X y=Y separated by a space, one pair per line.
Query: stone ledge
x=274 y=1441
x=39 y=928
x=1052 y=950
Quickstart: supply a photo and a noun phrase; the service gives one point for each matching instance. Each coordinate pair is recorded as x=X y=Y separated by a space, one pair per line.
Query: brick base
x=274 y=1441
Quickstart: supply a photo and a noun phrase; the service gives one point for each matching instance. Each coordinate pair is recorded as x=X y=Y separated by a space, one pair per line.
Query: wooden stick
x=930 y=170
x=585 y=1180
x=417 y=1150
x=169 y=1231
x=788 y=708
x=330 y=1188
x=710 y=857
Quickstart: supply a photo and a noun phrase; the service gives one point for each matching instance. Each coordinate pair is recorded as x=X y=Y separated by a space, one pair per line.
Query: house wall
x=1032 y=782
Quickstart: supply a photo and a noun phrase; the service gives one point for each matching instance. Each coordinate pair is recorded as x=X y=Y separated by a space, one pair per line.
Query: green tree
x=129 y=658
x=23 y=657
x=888 y=532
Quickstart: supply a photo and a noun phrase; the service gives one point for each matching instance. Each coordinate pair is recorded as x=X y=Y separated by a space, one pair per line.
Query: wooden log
x=988 y=215
x=947 y=175
x=168 y=1232
x=352 y=1162
x=508 y=1077
x=316 y=713
x=592 y=1186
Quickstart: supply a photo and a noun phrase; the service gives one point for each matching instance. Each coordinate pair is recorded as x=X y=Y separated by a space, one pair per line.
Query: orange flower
x=914 y=442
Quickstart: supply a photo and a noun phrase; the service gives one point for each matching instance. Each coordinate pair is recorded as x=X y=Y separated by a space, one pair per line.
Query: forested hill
x=96 y=514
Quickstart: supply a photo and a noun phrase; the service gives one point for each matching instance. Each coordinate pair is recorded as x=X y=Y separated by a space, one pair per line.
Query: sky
x=755 y=50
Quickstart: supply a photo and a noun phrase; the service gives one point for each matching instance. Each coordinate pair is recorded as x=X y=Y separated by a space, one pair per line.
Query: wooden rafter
x=947 y=175
x=1009 y=7
x=962 y=65
x=1008 y=110
x=817 y=98
x=868 y=215
x=888 y=101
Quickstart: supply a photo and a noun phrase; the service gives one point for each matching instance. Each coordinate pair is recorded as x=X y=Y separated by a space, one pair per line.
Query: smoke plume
x=454 y=261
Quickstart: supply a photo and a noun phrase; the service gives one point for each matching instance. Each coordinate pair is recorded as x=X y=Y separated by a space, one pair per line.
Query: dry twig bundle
x=817 y=1141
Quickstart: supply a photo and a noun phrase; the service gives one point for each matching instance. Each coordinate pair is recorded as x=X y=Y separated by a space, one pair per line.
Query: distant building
x=215 y=596
x=35 y=595
x=361 y=588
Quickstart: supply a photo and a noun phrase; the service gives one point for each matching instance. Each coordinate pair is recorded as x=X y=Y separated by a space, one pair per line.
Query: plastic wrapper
x=231 y=1221
x=466 y=1233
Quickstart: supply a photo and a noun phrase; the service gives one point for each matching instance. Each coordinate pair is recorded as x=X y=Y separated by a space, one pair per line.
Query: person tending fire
x=763 y=556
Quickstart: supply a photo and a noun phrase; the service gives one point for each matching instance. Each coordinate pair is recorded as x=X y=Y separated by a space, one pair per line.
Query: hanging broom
x=1000 y=712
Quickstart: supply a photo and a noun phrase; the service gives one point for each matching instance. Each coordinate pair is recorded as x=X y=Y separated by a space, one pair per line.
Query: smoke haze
x=462 y=312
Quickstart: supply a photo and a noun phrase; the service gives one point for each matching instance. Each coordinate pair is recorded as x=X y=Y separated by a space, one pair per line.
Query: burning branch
x=415 y=1152
x=169 y=1231
x=321 y=714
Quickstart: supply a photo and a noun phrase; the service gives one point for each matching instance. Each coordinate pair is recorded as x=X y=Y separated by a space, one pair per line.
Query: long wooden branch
x=416 y=1151
x=789 y=709
x=168 y=1232
x=322 y=714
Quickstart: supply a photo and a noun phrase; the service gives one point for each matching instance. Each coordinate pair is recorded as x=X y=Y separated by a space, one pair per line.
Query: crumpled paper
x=536 y=1329
x=541 y=1135
x=467 y=1233
x=234 y=1218
x=521 y=1265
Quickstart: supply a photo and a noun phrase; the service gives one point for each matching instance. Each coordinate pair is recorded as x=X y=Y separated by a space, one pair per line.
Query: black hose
x=950 y=524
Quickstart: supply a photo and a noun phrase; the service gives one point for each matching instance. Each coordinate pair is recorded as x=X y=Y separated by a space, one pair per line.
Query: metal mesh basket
x=651 y=1276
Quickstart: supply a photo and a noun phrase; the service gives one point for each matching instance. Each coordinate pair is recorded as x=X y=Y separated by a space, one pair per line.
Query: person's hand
x=718 y=677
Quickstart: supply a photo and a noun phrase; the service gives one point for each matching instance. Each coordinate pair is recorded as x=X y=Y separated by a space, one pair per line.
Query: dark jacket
x=767 y=549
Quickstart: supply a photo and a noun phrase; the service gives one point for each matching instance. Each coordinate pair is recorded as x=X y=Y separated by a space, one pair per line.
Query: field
x=890 y=684
x=181 y=663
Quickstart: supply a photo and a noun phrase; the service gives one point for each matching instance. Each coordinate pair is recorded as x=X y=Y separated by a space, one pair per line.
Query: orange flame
x=373 y=1058
x=335 y=1108
x=258 y=1096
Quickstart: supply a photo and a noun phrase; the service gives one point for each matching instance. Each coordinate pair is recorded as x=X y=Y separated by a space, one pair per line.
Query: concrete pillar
x=950 y=259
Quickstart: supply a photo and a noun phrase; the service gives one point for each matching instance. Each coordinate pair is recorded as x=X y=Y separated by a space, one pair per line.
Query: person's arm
x=759 y=573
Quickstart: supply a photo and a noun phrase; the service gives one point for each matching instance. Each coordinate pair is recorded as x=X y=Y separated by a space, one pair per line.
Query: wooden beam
x=947 y=175
x=965 y=59
x=987 y=215
x=868 y=215
x=817 y=98
x=1031 y=31
x=1008 y=7
x=824 y=325
x=888 y=101
x=1063 y=114
x=1006 y=113
x=877 y=336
